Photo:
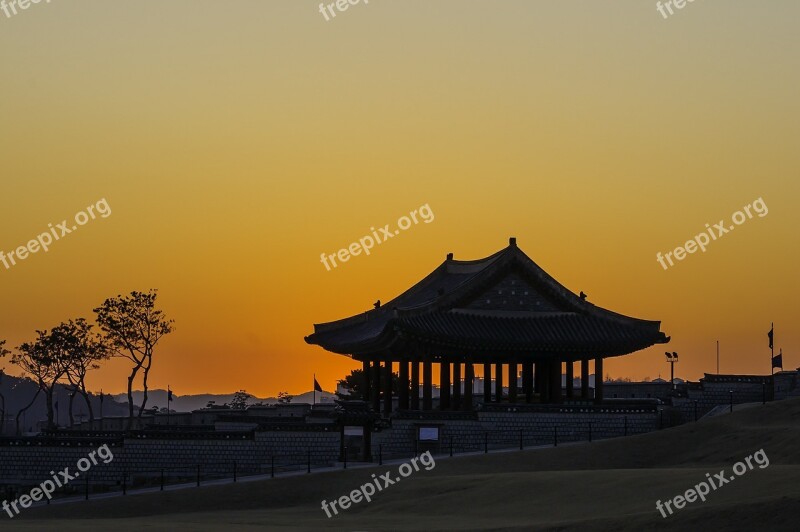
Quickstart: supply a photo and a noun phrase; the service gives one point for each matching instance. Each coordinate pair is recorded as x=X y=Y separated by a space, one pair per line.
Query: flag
x=777 y=361
x=317 y=387
x=101 y=396
x=772 y=329
x=169 y=395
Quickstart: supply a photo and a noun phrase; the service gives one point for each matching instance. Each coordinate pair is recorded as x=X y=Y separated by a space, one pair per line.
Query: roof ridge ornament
x=512 y=242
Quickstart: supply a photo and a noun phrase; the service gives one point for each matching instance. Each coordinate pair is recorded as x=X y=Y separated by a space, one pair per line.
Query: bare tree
x=85 y=349
x=3 y=353
x=133 y=326
x=24 y=409
x=45 y=360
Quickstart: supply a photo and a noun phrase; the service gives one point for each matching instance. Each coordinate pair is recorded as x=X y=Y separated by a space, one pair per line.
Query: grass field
x=606 y=485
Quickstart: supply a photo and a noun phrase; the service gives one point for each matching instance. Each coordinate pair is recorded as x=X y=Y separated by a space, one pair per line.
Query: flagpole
x=772 y=347
x=717 y=357
x=168 y=405
x=315 y=389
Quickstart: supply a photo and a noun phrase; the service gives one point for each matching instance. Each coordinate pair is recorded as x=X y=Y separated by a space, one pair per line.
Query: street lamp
x=672 y=358
x=731 y=392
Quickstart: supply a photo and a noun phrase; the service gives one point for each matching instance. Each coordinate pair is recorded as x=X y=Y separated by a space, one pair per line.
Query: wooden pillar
x=585 y=379
x=527 y=380
x=555 y=381
x=598 y=379
x=512 y=382
x=365 y=386
x=498 y=382
x=376 y=385
x=543 y=381
x=469 y=378
x=387 y=388
x=403 y=374
x=427 y=384
x=366 y=452
x=487 y=382
x=570 y=377
x=457 y=385
x=444 y=384
x=414 y=383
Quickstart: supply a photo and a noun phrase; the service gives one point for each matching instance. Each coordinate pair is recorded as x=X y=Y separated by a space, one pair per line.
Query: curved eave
x=340 y=342
x=572 y=335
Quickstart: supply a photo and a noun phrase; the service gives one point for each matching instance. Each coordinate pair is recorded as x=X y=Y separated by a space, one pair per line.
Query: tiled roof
x=449 y=310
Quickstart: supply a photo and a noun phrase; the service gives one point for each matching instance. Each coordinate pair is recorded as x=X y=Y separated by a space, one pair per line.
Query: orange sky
x=236 y=141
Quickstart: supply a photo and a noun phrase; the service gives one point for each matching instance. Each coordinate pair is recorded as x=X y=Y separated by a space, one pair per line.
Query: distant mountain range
x=16 y=393
x=187 y=403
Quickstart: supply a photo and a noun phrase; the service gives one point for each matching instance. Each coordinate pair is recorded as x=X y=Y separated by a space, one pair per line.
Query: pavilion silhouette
x=502 y=311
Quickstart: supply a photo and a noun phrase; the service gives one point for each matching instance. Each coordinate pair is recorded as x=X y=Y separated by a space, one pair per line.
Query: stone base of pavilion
x=504 y=425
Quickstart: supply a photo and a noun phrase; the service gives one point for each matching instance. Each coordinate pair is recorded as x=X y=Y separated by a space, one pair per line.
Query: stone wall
x=28 y=461
x=504 y=426
x=637 y=390
x=715 y=390
x=787 y=384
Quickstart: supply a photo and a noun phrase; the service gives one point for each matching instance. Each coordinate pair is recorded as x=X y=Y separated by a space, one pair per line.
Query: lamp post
x=3 y=408
x=672 y=358
x=731 y=392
